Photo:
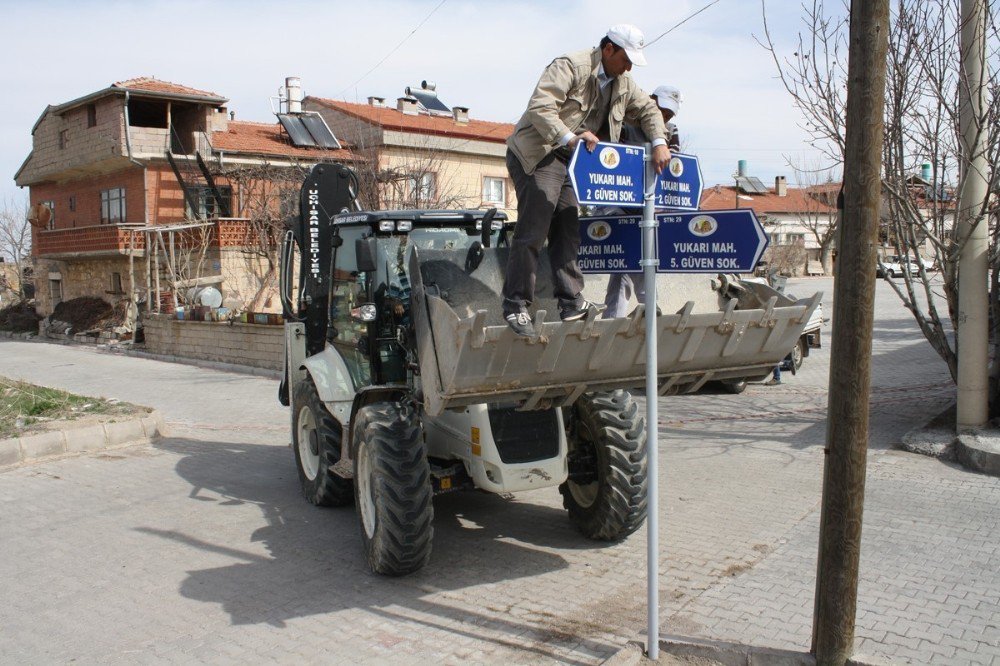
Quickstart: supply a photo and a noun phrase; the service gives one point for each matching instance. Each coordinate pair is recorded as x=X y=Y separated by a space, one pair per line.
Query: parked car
x=895 y=266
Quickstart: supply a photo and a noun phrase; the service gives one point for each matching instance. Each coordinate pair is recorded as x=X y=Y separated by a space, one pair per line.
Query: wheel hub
x=366 y=502
x=308 y=443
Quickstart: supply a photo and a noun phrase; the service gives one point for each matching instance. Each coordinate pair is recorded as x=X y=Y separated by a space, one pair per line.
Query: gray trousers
x=547 y=209
x=621 y=286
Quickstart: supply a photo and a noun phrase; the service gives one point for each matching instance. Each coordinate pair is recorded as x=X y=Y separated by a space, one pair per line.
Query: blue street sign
x=727 y=241
x=611 y=175
x=610 y=244
x=679 y=186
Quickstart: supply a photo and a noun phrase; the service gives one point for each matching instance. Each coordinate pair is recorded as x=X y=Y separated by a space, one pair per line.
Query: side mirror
x=364 y=249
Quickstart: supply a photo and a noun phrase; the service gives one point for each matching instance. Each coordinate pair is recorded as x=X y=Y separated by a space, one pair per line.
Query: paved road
x=200 y=548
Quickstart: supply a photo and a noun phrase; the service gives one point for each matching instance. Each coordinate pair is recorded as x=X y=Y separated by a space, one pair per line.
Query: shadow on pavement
x=314 y=562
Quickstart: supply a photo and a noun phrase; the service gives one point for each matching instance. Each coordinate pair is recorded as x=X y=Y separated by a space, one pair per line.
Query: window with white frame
x=795 y=239
x=420 y=188
x=495 y=190
x=113 y=205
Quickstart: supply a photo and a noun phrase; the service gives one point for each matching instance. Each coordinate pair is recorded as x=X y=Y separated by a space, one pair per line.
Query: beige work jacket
x=562 y=99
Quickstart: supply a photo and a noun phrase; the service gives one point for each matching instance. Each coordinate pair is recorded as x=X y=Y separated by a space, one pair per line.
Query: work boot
x=574 y=310
x=520 y=322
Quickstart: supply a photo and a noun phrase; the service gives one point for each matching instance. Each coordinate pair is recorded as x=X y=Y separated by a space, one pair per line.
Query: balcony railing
x=107 y=239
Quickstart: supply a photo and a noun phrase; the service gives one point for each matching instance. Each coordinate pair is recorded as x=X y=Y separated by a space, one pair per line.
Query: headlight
x=365 y=312
x=404 y=225
x=386 y=225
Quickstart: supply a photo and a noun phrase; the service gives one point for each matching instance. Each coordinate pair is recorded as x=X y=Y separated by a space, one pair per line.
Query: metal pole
x=648 y=263
x=973 y=305
x=853 y=319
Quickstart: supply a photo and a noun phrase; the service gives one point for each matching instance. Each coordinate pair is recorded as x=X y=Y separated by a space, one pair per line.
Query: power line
x=395 y=48
x=677 y=25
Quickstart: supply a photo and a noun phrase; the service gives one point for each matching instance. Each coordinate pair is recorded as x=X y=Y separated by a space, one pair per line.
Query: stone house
x=147 y=187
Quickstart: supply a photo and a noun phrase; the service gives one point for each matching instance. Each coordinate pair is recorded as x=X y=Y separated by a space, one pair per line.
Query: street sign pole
x=648 y=263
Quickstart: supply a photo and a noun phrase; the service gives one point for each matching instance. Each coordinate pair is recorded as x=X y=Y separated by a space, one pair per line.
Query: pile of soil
x=19 y=317
x=87 y=313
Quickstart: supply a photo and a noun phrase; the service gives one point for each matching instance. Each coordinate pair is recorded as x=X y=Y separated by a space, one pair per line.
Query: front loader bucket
x=468 y=355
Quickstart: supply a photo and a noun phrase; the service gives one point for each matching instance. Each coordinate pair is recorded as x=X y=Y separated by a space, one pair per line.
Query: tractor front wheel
x=392 y=488
x=605 y=493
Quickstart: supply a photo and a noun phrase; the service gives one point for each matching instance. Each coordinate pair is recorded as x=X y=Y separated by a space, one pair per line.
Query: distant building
x=799 y=221
x=420 y=153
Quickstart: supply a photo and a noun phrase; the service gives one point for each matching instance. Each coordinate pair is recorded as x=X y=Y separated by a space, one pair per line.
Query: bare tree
x=267 y=195
x=416 y=177
x=15 y=238
x=921 y=127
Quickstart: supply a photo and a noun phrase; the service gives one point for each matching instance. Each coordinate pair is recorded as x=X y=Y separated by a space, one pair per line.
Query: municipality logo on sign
x=676 y=167
x=598 y=230
x=610 y=158
x=703 y=225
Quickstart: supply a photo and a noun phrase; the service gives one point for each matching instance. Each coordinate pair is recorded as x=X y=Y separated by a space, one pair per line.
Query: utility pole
x=853 y=316
x=973 y=304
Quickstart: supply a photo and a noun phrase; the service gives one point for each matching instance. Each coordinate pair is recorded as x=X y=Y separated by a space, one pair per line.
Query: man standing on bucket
x=581 y=96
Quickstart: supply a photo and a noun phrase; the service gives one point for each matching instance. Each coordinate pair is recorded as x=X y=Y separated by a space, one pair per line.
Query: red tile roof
x=390 y=118
x=798 y=200
x=270 y=139
x=149 y=84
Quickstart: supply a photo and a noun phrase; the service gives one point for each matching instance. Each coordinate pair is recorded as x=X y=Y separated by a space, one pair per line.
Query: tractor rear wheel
x=316 y=440
x=392 y=488
x=605 y=493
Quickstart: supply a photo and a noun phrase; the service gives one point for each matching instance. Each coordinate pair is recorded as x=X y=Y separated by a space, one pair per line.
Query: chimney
x=460 y=114
x=293 y=88
x=376 y=101
x=780 y=186
x=407 y=105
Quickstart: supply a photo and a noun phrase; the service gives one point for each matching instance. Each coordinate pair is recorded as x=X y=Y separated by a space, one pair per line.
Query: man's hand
x=661 y=156
x=591 y=140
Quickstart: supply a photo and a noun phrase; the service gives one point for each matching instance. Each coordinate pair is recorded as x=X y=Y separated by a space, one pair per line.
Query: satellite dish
x=39 y=215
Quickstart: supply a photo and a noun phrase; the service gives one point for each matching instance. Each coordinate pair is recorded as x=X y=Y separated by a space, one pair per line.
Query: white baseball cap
x=631 y=39
x=669 y=98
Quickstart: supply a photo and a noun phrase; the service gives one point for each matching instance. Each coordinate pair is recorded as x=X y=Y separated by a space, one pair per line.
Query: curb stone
x=703 y=652
x=59 y=443
x=980 y=451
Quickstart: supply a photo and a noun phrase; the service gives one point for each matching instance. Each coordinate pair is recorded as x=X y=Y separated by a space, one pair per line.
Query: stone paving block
x=89 y=438
x=124 y=432
x=42 y=445
x=10 y=452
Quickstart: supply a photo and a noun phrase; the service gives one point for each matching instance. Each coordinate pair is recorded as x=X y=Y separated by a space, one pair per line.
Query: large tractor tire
x=606 y=490
x=316 y=440
x=392 y=488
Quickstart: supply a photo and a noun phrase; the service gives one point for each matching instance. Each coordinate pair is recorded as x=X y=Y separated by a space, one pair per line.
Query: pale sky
x=485 y=55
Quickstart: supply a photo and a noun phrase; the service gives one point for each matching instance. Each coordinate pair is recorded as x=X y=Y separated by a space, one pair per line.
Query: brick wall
x=86 y=194
x=243 y=344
